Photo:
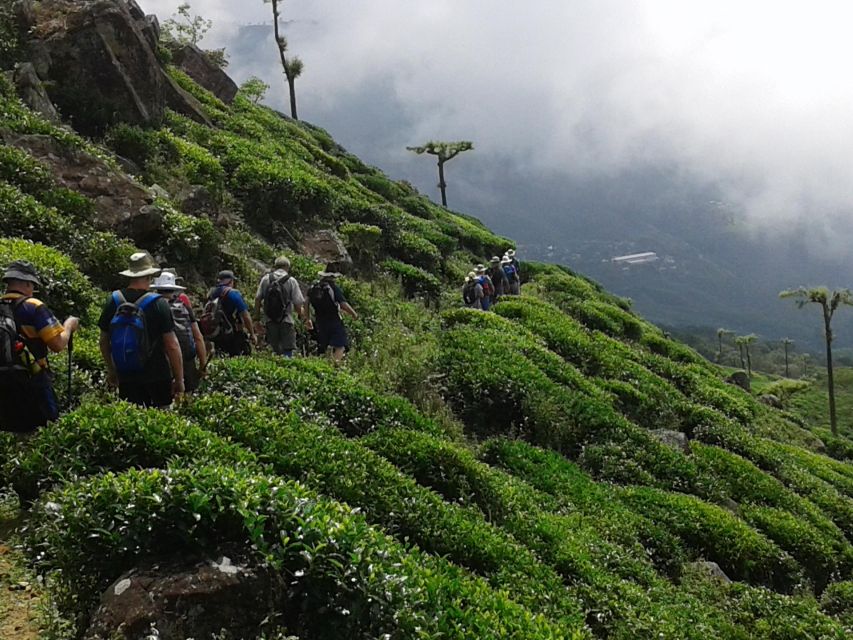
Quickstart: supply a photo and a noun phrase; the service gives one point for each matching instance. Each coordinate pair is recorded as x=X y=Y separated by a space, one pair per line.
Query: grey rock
x=673 y=439
x=327 y=247
x=740 y=379
x=159 y=192
x=713 y=570
x=198 y=66
x=771 y=401
x=31 y=90
x=183 y=600
x=196 y=200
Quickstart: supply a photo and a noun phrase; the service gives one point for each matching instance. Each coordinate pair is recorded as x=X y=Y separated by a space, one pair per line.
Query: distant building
x=635 y=258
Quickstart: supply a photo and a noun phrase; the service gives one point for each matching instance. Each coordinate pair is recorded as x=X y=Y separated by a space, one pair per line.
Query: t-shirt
x=158 y=322
x=233 y=304
x=37 y=325
x=296 y=297
x=331 y=316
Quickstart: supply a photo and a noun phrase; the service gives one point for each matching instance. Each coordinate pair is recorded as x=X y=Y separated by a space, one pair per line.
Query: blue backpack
x=509 y=270
x=129 y=343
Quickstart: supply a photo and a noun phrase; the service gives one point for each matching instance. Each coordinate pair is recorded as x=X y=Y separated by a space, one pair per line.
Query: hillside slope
x=555 y=469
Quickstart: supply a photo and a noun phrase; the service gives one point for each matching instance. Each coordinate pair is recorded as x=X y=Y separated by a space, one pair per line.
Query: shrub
x=23 y=216
x=362 y=241
x=380 y=588
x=837 y=601
x=134 y=143
x=189 y=239
x=415 y=281
x=383 y=186
x=415 y=250
x=102 y=255
x=64 y=289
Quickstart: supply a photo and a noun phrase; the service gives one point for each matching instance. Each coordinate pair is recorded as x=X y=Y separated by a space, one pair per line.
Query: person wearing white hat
x=485 y=281
x=510 y=253
x=472 y=292
x=186 y=328
x=138 y=341
x=28 y=332
x=499 y=279
x=511 y=275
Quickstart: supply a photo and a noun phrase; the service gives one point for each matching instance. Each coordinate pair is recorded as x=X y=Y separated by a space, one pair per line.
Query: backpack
x=469 y=295
x=509 y=270
x=488 y=287
x=214 y=323
x=12 y=348
x=129 y=343
x=183 y=328
x=278 y=299
x=322 y=298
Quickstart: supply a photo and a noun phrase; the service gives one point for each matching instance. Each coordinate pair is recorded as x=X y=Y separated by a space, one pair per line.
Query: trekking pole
x=70 y=360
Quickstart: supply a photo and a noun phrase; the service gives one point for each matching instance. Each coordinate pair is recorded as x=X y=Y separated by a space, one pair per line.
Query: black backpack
x=214 y=323
x=469 y=295
x=22 y=407
x=13 y=352
x=183 y=328
x=322 y=298
x=278 y=299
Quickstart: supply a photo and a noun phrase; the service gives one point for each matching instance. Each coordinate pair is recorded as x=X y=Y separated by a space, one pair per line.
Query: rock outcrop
x=177 y=601
x=327 y=247
x=32 y=91
x=98 y=59
x=673 y=439
x=123 y=205
x=740 y=379
x=198 y=66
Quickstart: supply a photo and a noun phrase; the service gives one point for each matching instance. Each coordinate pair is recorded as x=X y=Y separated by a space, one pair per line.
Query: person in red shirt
x=27 y=399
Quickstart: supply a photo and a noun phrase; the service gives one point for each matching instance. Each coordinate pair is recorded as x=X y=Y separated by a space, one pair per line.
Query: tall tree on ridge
x=829 y=302
x=292 y=66
x=444 y=151
x=744 y=343
x=721 y=333
x=787 y=342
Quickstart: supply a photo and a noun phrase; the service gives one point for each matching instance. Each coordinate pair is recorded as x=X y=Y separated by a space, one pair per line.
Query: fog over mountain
x=715 y=134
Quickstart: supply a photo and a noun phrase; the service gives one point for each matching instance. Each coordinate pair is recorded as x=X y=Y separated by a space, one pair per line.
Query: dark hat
x=226 y=274
x=141 y=264
x=23 y=271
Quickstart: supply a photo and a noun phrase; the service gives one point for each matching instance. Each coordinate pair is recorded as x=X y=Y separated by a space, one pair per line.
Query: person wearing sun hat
x=472 y=292
x=27 y=399
x=499 y=279
x=186 y=327
x=511 y=275
x=485 y=281
x=328 y=302
x=150 y=372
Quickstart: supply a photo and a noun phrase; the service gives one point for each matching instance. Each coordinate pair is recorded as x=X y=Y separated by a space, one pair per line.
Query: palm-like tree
x=830 y=302
x=445 y=152
x=292 y=66
x=743 y=343
x=787 y=342
x=721 y=333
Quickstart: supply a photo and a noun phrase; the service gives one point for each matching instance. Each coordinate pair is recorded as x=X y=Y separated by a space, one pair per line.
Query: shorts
x=146 y=394
x=281 y=336
x=28 y=403
x=332 y=335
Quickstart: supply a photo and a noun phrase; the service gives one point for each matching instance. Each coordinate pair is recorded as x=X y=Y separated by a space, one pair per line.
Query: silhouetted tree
x=444 y=151
x=292 y=66
x=721 y=333
x=743 y=343
x=829 y=302
x=787 y=342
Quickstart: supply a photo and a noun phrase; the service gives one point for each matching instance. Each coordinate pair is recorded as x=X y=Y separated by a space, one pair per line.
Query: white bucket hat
x=167 y=281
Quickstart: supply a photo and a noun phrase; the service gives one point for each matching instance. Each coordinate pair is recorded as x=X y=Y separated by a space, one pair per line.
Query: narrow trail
x=19 y=597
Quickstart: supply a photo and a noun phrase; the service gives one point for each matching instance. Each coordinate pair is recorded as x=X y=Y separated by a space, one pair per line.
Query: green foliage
x=64 y=289
x=134 y=143
x=9 y=37
x=184 y=27
x=837 y=601
x=415 y=281
x=254 y=89
x=362 y=241
x=383 y=186
x=189 y=239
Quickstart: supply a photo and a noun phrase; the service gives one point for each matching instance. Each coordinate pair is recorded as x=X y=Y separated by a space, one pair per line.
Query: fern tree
x=291 y=65
x=830 y=302
x=444 y=151
x=786 y=343
x=743 y=343
x=721 y=333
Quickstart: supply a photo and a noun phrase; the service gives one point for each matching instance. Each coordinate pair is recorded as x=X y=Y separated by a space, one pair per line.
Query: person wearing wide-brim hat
x=232 y=332
x=186 y=327
x=499 y=279
x=472 y=291
x=510 y=253
x=511 y=275
x=485 y=281
x=148 y=370
x=27 y=399
x=328 y=302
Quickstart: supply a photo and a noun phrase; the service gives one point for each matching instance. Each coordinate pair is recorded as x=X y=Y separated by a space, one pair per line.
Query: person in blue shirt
x=238 y=341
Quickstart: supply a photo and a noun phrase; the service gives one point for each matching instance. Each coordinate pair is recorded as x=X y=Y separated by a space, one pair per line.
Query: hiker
x=138 y=341
x=499 y=279
x=328 y=302
x=277 y=297
x=226 y=321
x=486 y=283
x=28 y=331
x=186 y=328
x=182 y=296
x=511 y=275
x=472 y=292
x=510 y=253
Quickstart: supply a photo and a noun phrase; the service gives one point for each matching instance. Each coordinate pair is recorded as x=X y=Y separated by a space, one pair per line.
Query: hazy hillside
x=556 y=469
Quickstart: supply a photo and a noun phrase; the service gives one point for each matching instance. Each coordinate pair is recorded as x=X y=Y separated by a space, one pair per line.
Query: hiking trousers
x=281 y=337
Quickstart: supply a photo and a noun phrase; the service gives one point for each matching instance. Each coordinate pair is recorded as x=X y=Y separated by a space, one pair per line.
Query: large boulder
x=672 y=439
x=184 y=600
x=740 y=379
x=327 y=247
x=32 y=91
x=198 y=66
x=122 y=205
x=98 y=58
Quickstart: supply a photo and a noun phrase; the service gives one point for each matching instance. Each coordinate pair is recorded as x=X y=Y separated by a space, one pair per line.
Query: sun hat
x=167 y=281
x=282 y=262
x=141 y=264
x=471 y=275
x=329 y=274
x=510 y=252
x=224 y=275
x=22 y=270
x=480 y=269
x=506 y=260
x=495 y=259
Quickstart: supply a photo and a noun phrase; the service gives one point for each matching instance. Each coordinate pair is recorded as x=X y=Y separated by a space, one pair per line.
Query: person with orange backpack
x=28 y=332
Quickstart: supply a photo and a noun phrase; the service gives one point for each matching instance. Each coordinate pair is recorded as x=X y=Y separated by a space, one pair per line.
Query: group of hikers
x=484 y=286
x=155 y=346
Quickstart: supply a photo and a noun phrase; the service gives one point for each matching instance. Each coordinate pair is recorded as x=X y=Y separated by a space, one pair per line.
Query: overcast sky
x=754 y=97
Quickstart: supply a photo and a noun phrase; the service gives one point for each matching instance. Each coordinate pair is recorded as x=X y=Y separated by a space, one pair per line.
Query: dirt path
x=19 y=600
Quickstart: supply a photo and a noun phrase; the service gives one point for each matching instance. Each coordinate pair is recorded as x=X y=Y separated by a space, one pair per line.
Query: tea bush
x=415 y=281
x=88 y=532
x=837 y=601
